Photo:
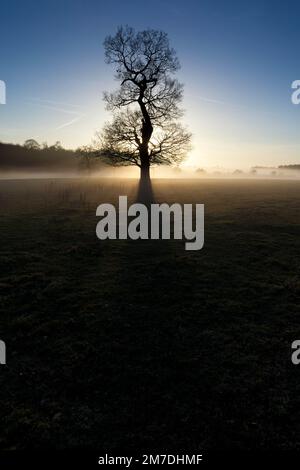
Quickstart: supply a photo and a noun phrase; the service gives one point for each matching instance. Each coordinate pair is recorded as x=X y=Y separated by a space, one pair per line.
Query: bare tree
x=86 y=155
x=31 y=144
x=147 y=132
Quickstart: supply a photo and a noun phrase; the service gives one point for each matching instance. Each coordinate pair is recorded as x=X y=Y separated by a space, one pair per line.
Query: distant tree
x=57 y=145
x=145 y=130
x=200 y=171
x=86 y=155
x=32 y=144
x=238 y=172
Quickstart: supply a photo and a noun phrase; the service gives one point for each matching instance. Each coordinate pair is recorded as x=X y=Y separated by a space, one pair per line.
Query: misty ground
x=141 y=344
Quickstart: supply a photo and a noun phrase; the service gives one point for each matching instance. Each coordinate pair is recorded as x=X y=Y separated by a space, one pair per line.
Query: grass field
x=141 y=344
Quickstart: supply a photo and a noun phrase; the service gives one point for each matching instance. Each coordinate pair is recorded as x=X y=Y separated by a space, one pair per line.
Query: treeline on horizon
x=280 y=167
x=290 y=167
x=32 y=156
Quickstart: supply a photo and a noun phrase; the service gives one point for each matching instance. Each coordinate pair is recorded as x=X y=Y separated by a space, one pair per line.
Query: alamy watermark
x=139 y=221
x=2 y=92
x=2 y=352
x=296 y=354
x=296 y=93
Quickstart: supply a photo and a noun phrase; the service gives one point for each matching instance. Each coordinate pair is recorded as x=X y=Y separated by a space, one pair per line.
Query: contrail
x=55 y=106
x=66 y=124
x=51 y=102
x=209 y=100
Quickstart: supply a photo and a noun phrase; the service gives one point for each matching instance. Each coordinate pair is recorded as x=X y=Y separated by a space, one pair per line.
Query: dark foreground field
x=141 y=344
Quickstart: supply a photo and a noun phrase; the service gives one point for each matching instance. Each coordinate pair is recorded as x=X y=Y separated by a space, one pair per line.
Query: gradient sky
x=238 y=61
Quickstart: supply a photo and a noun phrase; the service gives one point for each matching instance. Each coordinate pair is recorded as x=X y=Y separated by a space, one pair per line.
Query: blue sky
x=238 y=60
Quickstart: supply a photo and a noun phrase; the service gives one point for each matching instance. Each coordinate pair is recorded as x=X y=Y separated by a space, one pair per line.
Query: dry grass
x=142 y=344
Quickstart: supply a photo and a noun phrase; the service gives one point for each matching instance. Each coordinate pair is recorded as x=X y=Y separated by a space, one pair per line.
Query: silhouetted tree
x=57 y=145
x=86 y=155
x=31 y=144
x=147 y=132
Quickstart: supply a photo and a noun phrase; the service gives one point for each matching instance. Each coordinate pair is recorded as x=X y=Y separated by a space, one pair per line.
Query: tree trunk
x=145 y=193
x=146 y=130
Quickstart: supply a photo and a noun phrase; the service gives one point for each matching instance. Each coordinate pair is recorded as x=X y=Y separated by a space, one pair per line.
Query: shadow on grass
x=145 y=194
